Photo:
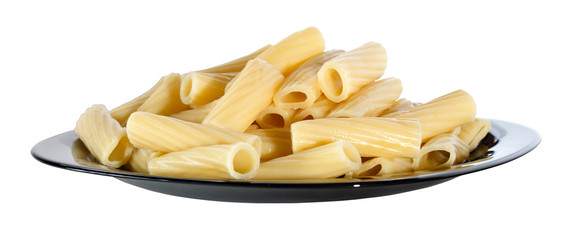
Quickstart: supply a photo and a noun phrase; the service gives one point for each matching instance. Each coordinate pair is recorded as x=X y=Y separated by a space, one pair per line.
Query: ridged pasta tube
x=250 y=94
x=276 y=142
x=327 y=161
x=441 y=114
x=300 y=89
x=401 y=104
x=197 y=114
x=140 y=160
x=167 y=134
x=473 y=132
x=231 y=161
x=275 y=117
x=319 y=109
x=292 y=51
x=384 y=166
x=198 y=88
x=165 y=100
x=105 y=138
x=370 y=101
x=345 y=74
x=444 y=150
x=123 y=111
x=373 y=137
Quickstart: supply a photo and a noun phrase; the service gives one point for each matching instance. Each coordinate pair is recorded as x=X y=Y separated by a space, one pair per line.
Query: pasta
x=250 y=94
x=275 y=117
x=167 y=134
x=291 y=111
x=293 y=50
x=384 y=166
x=198 y=88
x=441 y=114
x=345 y=74
x=327 y=161
x=165 y=100
x=233 y=161
x=105 y=138
x=443 y=150
x=370 y=101
x=276 y=142
x=373 y=137
x=300 y=89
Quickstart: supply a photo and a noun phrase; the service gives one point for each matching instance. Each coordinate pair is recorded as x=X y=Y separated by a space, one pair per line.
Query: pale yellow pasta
x=345 y=74
x=370 y=101
x=292 y=51
x=235 y=65
x=441 y=114
x=401 y=104
x=167 y=134
x=473 y=132
x=198 y=88
x=443 y=150
x=122 y=112
x=105 y=138
x=274 y=117
x=300 y=89
x=319 y=109
x=328 y=161
x=197 y=114
x=384 y=166
x=140 y=160
x=373 y=137
x=231 y=161
x=276 y=142
x=165 y=100
x=250 y=94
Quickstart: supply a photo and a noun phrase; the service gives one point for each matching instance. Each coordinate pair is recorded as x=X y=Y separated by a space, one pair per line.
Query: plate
x=505 y=142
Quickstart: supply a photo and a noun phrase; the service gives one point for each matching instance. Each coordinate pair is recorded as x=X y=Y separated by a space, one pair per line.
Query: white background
x=57 y=58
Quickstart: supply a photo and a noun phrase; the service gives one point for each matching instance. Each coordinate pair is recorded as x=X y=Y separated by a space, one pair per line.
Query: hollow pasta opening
x=243 y=161
x=333 y=82
x=372 y=171
x=274 y=120
x=120 y=151
x=294 y=97
x=186 y=87
x=437 y=158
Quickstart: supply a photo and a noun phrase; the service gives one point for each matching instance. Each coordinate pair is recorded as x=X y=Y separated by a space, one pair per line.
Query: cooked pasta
x=105 y=138
x=444 y=150
x=319 y=109
x=328 y=161
x=370 y=101
x=473 y=132
x=293 y=50
x=167 y=134
x=275 y=117
x=251 y=93
x=165 y=100
x=373 y=137
x=231 y=161
x=384 y=166
x=276 y=142
x=300 y=89
x=199 y=88
x=441 y=114
x=197 y=114
x=345 y=74
x=140 y=160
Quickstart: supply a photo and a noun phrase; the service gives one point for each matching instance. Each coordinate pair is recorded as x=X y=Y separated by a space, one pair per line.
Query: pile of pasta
x=286 y=111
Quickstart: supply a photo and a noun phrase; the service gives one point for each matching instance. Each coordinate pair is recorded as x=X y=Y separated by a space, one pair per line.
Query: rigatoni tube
x=251 y=92
x=441 y=114
x=373 y=137
x=345 y=74
x=105 y=138
x=444 y=150
x=327 y=161
x=231 y=161
x=167 y=134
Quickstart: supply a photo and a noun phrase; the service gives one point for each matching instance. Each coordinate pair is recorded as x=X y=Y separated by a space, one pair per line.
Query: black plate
x=505 y=142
